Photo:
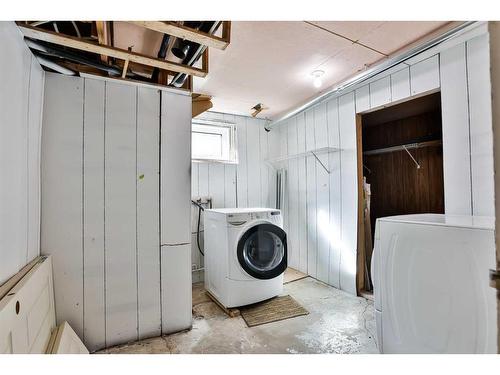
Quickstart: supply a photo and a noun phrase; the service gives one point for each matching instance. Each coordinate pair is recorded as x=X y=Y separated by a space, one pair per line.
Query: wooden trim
x=201 y=103
x=72 y=42
x=187 y=33
x=361 y=256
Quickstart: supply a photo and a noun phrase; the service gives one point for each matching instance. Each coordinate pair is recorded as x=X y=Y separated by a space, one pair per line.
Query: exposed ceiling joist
x=76 y=43
x=103 y=36
x=187 y=33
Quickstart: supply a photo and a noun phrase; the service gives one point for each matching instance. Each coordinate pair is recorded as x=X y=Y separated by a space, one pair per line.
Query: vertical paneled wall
x=321 y=210
x=250 y=183
x=100 y=207
x=21 y=102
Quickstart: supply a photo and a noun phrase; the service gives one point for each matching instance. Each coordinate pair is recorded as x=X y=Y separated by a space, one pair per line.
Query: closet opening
x=400 y=169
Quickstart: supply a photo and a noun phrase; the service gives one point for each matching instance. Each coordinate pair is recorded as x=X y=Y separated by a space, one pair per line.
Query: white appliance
x=431 y=284
x=245 y=254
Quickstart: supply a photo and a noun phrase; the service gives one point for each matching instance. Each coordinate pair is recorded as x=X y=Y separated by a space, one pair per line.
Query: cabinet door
x=363 y=99
x=424 y=75
x=175 y=190
x=400 y=84
x=380 y=92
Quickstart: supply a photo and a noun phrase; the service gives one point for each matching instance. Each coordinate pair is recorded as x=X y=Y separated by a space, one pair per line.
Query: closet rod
x=405 y=147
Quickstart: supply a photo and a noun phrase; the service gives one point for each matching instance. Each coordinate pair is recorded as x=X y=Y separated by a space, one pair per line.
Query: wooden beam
x=102 y=28
x=183 y=32
x=76 y=43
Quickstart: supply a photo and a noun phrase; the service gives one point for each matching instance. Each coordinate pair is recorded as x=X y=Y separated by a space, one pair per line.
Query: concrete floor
x=338 y=323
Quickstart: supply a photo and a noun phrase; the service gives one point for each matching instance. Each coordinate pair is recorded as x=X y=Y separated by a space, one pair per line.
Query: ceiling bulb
x=317 y=74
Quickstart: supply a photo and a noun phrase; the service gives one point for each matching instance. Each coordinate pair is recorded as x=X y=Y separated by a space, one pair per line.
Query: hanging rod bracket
x=411 y=156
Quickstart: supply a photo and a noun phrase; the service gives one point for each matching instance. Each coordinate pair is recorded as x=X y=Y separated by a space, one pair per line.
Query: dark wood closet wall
x=397 y=186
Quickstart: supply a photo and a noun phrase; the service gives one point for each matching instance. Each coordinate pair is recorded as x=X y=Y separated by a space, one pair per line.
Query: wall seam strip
x=466 y=50
x=83 y=209
x=104 y=217
x=136 y=214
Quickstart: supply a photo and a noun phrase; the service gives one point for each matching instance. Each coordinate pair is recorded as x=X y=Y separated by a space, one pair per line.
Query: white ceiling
x=271 y=62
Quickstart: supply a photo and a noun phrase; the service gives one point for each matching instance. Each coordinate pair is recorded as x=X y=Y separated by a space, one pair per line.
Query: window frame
x=231 y=139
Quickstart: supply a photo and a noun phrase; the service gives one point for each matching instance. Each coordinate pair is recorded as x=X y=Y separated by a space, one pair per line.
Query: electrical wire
x=200 y=208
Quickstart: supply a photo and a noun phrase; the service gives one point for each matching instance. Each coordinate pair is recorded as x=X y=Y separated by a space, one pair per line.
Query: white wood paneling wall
x=101 y=207
x=175 y=205
x=461 y=71
x=250 y=183
x=21 y=103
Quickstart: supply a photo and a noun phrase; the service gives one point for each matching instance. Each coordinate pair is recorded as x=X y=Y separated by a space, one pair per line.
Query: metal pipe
x=192 y=57
x=54 y=51
x=373 y=71
x=52 y=65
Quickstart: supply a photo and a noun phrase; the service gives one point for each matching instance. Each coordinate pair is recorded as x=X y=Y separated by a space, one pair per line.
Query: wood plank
x=76 y=43
x=293 y=197
x=184 y=32
x=322 y=195
x=302 y=191
x=349 y=188
x=481 y=138
x=241 y=169
x=148 y=218
x=120 y=214
x=253 y=162
x=37 y=78
x=231 y=312
x=265 y=171
x=455 y=119
x=94 y=333
x=335 y=194
x=200 y=106
x=61 y=221
x=175 y=174
x=230 y=171
x=176 y=288
x=312 y=246
x=10 y=283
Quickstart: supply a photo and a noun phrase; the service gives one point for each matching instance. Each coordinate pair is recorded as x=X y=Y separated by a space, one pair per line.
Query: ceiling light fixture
x=317 y=74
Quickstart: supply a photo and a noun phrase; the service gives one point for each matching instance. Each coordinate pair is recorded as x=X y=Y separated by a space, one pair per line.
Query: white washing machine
x=431 y=284
x=245 y=254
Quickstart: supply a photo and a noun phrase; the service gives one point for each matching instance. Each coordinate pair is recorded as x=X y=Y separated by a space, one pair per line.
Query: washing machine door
x=262 y=251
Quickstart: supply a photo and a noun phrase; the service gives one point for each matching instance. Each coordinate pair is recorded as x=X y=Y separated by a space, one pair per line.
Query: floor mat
x=272 y=310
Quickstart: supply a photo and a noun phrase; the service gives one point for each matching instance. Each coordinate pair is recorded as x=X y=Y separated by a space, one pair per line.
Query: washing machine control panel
x=241 y=218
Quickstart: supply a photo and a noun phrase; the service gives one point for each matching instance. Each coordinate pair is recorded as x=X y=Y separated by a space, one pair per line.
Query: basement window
x=213 y=141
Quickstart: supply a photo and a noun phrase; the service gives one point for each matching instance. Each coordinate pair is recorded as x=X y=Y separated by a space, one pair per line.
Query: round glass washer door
x=262 y=251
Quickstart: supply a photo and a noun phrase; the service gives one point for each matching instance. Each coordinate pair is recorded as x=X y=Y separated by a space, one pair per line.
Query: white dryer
x=431 y=284
x=245 y=254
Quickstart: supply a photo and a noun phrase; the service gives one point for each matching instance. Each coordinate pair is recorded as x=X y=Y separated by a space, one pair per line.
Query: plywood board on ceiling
x=353 y=30
x=141 y=40
x=392 y=36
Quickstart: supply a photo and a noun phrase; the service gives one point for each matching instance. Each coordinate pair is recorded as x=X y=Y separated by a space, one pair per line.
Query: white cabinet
x=175 y=190
x=400 y=84
x=424 y=75
x=380 y=92
x=363 y=99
